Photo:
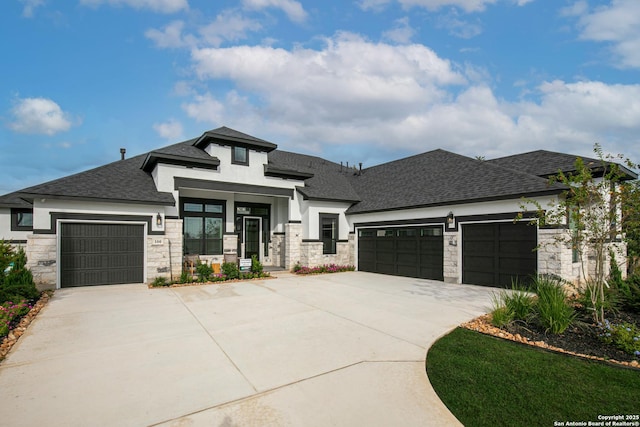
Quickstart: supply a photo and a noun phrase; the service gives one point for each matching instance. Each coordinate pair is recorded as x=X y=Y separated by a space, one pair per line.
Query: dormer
x=238 y=147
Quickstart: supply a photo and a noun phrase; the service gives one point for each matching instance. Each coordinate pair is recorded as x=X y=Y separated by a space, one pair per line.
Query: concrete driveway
x=344 y=349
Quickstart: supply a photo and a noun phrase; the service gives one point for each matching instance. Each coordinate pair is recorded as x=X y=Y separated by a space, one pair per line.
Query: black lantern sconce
x=159 y=220
x=451 y=221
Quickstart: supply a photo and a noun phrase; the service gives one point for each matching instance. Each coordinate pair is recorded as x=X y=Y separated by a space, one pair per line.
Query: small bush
x=16 y=281
x=629 y=293
x=256 y=266
x=230 y=270
x=553 y=311
x=625 y=336
x=204 y=271
x=185 y=277
x=501 y=316
x=159 y=282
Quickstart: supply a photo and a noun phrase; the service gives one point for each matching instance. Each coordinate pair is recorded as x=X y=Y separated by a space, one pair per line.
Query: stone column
x=451 y=254
x=292 y=242
x=41 y=260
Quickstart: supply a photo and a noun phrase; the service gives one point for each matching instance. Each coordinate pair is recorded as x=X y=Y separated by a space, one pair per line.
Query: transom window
x=240 y=156
x=21 y=219
x=203 y=226
x=329 y=232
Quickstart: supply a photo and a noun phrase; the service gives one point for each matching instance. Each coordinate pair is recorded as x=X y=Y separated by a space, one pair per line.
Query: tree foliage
x=590 y=209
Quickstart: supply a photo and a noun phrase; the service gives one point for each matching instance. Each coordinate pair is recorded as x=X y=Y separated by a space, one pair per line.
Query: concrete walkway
x=343 y=349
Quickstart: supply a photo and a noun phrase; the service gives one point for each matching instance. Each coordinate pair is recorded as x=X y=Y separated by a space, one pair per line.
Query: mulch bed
x=580 y=339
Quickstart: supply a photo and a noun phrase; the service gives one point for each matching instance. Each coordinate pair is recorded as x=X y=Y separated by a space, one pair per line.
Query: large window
x=203 y=226
x=329 y=232
x=21 y=219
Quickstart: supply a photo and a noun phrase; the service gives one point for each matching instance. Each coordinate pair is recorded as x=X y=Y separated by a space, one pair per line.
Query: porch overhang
x=231 y=187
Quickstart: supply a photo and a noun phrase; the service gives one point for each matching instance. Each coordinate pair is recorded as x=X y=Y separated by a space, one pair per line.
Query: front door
x=252 y=236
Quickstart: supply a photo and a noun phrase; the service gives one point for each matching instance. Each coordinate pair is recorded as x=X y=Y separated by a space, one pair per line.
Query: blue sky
x=358 y=81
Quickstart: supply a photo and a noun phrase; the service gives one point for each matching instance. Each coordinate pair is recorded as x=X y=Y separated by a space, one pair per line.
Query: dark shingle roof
x=13 y=200
x=548 y=163
x=328 y=181
x=439 y=178
x=121 y=181
x=224 y=134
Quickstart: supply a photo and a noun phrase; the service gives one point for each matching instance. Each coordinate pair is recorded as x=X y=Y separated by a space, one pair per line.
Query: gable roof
x=13 y=200
x=548 y=163
x=440 y=178
x=224 y=135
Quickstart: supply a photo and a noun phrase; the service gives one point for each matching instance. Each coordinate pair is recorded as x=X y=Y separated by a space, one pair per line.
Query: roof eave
x=32 y=196
x=154 y=158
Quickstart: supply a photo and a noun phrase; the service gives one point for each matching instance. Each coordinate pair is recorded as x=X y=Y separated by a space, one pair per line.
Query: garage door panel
x=101 y=254
x=403 y=251
x=495 y=254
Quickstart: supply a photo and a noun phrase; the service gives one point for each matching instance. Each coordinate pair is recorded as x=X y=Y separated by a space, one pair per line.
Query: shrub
x=552 y=309
x=256 y=266
x=160 y=281
x=185 y=277
x=501 y=316
x=230 y=270
x=629 y=293
x=204 y=271
x=16 y=281
x=625 y=336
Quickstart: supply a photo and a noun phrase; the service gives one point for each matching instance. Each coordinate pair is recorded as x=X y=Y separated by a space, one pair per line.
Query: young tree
x=590 y=210
x=630 y=197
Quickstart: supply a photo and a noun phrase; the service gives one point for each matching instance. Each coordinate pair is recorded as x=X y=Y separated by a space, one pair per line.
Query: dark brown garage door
x=497 y=254
x=101 y=254
x=404 y=251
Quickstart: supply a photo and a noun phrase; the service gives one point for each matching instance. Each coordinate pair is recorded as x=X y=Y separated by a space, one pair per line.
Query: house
x=227 y=195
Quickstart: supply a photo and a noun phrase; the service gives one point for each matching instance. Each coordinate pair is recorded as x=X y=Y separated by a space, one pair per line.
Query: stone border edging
x=483 y=325
x=9 y=341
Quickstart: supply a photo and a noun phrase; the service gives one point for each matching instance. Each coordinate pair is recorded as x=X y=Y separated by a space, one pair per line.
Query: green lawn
x=486 y=381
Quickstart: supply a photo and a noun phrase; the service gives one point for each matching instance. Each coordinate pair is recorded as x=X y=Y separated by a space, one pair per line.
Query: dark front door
x=252 y=237
x=101 y=254
x=499 y=254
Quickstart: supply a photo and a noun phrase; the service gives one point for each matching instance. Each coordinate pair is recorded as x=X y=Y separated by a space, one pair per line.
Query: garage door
x=405 y=251
x=495 y=254
x=101 y=254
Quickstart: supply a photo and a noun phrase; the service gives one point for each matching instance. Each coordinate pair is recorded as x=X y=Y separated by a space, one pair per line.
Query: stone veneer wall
x=555 y=257
x=292 y=244
x=311 y=253
x=42 y=257
x=451 y=253
x=165 y=259
x=277 y=249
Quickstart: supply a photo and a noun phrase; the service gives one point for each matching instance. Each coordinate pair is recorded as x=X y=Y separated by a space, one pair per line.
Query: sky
x=350 y=81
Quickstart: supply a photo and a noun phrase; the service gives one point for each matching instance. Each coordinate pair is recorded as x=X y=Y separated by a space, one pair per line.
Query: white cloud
x=30 y=6
x=205 y=108
x=401 y=33
x=161 y=6
x=617 y=24
x=171 y=129
x=466 y=5
x=291 y=8
x=459 y=27
x=39 y=116
x=170 y=36
x=349 y=78
x=229 y=25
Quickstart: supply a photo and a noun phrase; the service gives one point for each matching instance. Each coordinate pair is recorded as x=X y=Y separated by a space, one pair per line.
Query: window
x=240 y=156
x=21 y=219
x=329 y=232
x=203 y=225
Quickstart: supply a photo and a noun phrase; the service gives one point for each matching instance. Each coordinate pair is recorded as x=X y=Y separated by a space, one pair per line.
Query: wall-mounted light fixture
x=158 y=220
x=451 y=221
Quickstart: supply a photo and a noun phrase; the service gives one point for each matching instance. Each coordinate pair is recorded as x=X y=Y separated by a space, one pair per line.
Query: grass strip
x=486 y=381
